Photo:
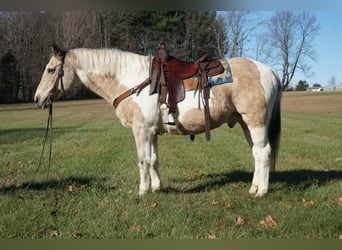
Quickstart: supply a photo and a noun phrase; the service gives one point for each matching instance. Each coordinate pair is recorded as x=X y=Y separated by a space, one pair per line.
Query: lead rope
x=48 y=128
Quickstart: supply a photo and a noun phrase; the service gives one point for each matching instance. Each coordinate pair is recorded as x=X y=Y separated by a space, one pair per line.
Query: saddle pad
x=225 y=77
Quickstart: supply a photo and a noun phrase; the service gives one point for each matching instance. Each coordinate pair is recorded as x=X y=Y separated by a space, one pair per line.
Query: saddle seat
x=183 y=69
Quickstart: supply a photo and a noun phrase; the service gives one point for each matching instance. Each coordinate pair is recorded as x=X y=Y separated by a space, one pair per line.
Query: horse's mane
x=106 y=61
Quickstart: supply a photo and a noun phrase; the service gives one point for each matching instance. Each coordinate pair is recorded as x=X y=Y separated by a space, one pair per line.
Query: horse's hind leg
x=261 y=150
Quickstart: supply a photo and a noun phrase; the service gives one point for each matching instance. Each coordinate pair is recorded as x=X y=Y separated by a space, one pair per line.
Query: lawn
x=91 y=190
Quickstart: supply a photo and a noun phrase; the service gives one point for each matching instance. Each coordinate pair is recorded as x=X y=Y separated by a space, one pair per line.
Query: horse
x=251 y=100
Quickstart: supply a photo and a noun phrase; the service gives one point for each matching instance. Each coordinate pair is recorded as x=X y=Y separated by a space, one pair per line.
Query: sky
x=327 y=46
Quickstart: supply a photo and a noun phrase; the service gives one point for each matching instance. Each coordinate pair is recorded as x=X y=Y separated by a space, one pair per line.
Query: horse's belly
x=191 y=114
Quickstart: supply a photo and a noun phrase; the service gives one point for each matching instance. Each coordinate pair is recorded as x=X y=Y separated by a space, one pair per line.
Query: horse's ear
x=57 y=51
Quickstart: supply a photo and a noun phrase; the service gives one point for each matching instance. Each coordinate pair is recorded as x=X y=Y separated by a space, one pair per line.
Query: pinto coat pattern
x=252 y=100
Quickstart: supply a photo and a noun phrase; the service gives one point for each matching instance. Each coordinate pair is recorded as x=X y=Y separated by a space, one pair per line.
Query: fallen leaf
x=57 y=205
x=337 y=201
x=268 y=222
x=104 y=202
x=8 y=181
x=53 y=233
x=71 y=188
x=85 y=186
x=136 y=228
x=124 y=212
x=239 y=221
x=213 y=203
x=227 y=205
x=76 y=235
x=309 y=203
x=308 y=237
x=153 y=205
x=212 y=236
x=288 y=206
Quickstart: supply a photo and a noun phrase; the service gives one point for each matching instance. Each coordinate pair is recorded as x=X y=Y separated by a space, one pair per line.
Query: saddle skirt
x=225 y=77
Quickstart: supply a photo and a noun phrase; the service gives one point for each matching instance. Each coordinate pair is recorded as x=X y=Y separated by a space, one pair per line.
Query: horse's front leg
x=154 y=172
x=146 y=143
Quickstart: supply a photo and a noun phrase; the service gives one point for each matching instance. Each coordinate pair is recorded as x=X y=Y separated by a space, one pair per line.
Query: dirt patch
x=312 y=101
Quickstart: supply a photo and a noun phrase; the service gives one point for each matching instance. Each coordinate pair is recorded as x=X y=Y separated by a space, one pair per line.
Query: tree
x=238 y=31
x=291 y=35
x=301 y=86
x=25 y=38
x=220 y=37
x=9 y=78
x=240 y=28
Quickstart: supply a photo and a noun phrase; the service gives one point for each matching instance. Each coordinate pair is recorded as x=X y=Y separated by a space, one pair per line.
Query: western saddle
x=171 y=77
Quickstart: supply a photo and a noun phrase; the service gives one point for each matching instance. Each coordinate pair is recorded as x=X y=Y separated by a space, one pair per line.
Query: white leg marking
x=143 y=145
x=262 y=156
x=154 y=172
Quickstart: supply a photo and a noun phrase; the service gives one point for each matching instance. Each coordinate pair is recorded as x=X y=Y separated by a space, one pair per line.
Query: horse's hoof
x=142 y=192
x=261 y=193
x=156 y=189
x=253 y=189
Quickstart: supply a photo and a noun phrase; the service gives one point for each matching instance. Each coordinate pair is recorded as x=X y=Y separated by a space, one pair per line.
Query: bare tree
x=291 y=35
x=239 y=30
x=80 y=29
x=332 y=81
x=220 y=37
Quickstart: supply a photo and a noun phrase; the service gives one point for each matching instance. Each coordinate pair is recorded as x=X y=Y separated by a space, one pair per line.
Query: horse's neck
x=109 y=73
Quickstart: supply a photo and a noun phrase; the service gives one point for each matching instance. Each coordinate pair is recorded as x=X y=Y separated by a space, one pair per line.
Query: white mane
x=110 y=62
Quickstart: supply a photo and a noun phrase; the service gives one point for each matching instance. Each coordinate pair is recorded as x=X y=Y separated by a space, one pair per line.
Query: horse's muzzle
x=43 y=103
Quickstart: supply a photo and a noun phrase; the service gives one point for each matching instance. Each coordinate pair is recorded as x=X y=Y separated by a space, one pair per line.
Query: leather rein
x=48 y=131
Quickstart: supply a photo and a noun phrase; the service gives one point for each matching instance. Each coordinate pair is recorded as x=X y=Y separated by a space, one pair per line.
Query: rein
x=49 y=122
x=48 y=128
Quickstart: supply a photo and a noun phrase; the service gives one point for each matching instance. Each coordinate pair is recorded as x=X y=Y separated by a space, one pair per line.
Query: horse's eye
x=51 y=71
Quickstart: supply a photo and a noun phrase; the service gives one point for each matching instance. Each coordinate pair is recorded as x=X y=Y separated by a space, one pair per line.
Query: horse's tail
x=274 y=127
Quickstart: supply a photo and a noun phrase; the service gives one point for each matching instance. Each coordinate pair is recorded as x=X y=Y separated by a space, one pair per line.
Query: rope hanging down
x=48 y=129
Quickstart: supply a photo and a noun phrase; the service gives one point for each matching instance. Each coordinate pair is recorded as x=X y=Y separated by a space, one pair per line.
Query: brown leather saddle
x=169 y=73
x=168 y=76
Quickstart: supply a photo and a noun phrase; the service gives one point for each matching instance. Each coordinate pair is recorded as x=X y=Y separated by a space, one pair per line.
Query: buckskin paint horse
x=252 y=100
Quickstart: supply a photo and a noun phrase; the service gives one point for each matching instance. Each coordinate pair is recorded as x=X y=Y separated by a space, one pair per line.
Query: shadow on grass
x=71 y=184
x=303 y=178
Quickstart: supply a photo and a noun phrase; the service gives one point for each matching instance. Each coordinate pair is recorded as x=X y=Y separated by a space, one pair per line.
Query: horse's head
x=57 y=77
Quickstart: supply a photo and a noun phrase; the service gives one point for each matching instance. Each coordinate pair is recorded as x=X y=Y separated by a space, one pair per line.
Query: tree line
x=25 y=38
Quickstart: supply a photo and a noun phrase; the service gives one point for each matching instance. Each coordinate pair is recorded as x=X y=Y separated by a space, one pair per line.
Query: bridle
x=59 y=80
x=62 y=54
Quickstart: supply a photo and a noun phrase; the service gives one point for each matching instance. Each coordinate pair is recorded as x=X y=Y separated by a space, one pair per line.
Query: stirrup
x=171 y=120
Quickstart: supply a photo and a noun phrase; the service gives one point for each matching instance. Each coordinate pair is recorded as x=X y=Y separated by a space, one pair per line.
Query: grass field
x=91 y=191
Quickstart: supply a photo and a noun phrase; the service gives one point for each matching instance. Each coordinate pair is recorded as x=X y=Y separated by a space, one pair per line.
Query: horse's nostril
x=36 y=100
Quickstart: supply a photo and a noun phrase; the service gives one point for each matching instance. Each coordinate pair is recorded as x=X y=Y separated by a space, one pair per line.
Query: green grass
x=91 y=191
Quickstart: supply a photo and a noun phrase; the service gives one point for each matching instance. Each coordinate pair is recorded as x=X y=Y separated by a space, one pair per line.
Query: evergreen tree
x=302 y=86
x=9 y=78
